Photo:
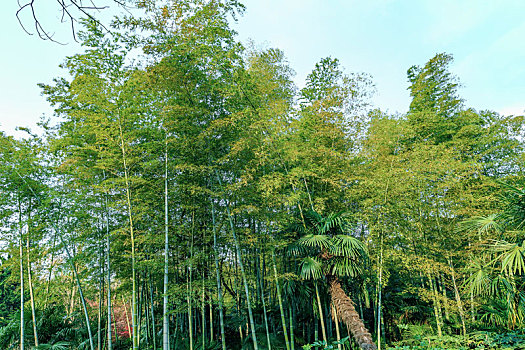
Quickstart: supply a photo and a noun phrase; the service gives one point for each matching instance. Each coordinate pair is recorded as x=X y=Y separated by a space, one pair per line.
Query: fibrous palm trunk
x=349 y=316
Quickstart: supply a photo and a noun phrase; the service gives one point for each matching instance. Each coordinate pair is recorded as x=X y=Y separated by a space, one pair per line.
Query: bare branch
x=42 y=34
x=18 y=15
x=70 y=10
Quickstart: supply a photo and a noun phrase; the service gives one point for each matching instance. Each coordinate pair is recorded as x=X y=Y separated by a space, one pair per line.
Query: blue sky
x=380 y=37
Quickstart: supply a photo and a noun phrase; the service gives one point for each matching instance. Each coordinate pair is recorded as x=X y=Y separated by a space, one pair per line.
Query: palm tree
x=328 y=250
x=496 y=273
x=493 y=277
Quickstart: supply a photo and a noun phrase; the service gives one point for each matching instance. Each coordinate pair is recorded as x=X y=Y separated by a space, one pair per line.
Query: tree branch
x=71 y=11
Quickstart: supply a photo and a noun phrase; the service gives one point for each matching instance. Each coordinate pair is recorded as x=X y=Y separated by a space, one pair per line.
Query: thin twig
x=67 y=15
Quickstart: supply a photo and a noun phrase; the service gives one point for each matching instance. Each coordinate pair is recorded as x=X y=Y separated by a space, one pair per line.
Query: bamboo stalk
x=21 y=260
x=321 y=318
x=336 y=320
x=217 y=272
x=280 y=301
x=30 y=285
x=243 y=274
x=165 y=324
x=132 y=236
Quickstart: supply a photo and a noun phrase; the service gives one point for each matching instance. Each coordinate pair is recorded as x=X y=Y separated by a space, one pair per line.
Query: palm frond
x=479 y=281
x=318 y=241
x=342 y=266
x=60 y=345
x=331 y=221
x=311 y=268
x=514 y=198
x=347 y=246
x=513 y=259
x=295 y=249
x=499 y=285
x=494 y=314
x=481 y=225
x=501 y=246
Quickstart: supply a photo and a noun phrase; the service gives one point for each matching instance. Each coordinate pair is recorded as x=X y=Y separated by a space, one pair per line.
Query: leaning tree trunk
x=349 y=316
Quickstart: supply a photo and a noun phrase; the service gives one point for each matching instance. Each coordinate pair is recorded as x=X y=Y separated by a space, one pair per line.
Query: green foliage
x=55 y=331
x=514 y=202
x=60 y=345
x=496 y=274
x=475 y=340
x=345 y=342
x=434 y=89
x=327 y=246
x=9 y=299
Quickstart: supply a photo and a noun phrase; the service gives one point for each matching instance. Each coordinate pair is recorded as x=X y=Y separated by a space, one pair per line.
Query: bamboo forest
x=187 y=194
